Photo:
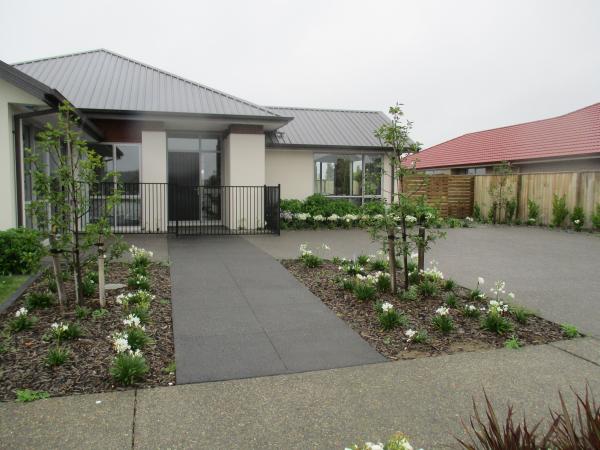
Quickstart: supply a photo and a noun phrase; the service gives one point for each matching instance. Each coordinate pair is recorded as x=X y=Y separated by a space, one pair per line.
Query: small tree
x=62 y=195
x=403 y=212
x=501 y=192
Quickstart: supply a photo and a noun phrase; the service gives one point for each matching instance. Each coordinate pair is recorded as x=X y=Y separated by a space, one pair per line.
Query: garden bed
x=467 y=333
x=23 y=354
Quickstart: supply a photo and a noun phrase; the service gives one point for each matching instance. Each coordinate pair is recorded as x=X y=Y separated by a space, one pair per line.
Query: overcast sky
x=457 y=66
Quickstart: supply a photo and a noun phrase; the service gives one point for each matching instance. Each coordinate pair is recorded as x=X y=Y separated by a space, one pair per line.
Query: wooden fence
x=451 y=194
x=579 y=188
x=455 y=195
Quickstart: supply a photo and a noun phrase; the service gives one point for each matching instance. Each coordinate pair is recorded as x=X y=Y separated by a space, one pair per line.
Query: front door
x=194 y=176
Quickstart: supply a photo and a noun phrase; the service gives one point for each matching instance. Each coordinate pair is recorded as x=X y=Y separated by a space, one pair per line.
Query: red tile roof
x=573 y=134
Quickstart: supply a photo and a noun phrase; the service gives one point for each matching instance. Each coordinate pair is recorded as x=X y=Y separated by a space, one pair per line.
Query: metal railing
x=187 y=210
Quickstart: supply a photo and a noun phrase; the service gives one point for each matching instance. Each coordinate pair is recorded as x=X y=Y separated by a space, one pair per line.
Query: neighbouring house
x=570 y=142
x=187 y=154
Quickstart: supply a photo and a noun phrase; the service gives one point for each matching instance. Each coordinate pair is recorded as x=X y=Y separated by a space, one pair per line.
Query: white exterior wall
x=8 y=188
x=293 y=169
x=244 y=165
x=154 y=170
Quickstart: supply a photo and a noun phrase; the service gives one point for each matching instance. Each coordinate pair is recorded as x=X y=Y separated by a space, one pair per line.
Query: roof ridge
x=300 y=108
x=148 y=66
x=513 y=125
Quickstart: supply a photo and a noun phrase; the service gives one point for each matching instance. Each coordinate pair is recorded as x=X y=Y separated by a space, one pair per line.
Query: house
x=188 y=154
x=570 y=142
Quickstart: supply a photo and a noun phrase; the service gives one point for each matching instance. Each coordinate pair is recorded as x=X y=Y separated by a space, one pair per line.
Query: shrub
x=477 y=293
x=379 y=265
x=451 y=300
x=384 y=282
x=442 y=320
x=57 y=356
x=82 y=312
x=513 y=343
x=138 y=297
x=36 y=300
x=60 y=331
x=389 y=318
x=22 y=251
x=138 y=270
x=292 y=205
x=511 y=209
x=533 y=212
x=596 y=218
x=569 y=330
x=578 y=218
x=521 y=314
x=449 y=284
x=420 y=337
x=398 y=441
x=311 y=261
x=496 y=323
x=347 y=284
x=140 y=256
x=137 y=338
x=88 y=286
x=492 y=435
x=318 y=204
x=364 y=291
x=471 y=311
x=129 y=368
x=411 y=294
x=477 y=213
x=559 y=210
x=27 y=395
x=427 y=287
x=492 y=212
x=21 y=321
x=99 y=313
x=138 y=282
x=142 y=312
x=580 y=430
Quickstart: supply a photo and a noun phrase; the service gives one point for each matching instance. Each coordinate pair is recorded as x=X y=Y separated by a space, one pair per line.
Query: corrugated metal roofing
x=100 y=79
x=327 y=127
x=575 y=133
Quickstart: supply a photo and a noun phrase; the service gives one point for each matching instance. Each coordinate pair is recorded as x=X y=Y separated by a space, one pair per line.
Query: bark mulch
x=467 y=334
x=23 y=354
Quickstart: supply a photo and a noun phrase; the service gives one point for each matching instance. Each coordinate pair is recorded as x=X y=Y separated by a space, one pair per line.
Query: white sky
x=457 y=66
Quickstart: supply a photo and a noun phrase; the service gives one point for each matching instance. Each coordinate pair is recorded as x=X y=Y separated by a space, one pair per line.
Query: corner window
x=356 y=177
x=123 y=159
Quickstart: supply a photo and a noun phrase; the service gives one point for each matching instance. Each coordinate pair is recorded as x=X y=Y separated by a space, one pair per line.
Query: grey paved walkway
x=238 y=313
x=330 y=409
x=553 y=272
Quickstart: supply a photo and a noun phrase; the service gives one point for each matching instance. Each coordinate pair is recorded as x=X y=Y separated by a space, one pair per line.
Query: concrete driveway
x=555 y=273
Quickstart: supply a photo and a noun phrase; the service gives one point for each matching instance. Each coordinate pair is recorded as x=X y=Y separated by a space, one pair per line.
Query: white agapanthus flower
x=410 y=219
x=372 y=446
x=140 y=252
x=333 y=218
x=287 y=215
x=21 y=312
x=497 y=306
x=442 y=311
x=577 y=221
x=302 y=216
x=378 y=216
x=387 y=307
x=133 y=321
x=410 y=333
x=470 y=308
x=120 y=342
x=480 y=280
x=59 y=327
x=318 y=218
x=511 y=295
x=469 y=219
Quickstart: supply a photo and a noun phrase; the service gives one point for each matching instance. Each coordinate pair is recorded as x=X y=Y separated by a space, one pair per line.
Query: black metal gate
x=189 y=210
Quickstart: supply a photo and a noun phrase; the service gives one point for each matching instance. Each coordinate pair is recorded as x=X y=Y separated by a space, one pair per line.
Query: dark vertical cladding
x=187 y=208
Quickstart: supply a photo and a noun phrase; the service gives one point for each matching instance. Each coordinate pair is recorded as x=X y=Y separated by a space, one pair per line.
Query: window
x=124 y=161
x=356 y=177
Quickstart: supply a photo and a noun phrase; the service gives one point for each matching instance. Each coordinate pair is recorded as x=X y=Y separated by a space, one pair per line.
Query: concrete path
x=555 y=273
x=237 y=313
x=425 y=398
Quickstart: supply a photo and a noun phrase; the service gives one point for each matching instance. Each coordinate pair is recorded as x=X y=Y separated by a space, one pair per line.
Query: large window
x=356 y=177
x=124 y=160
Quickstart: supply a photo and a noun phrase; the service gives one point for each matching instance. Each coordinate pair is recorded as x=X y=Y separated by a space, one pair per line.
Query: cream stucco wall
x=244 y=165
x=154 y=170
x=9 y=96
x=293 y=169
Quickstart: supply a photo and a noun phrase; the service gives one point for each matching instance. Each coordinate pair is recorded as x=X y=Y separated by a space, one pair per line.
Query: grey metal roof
x=327 y=127
x=101 y=79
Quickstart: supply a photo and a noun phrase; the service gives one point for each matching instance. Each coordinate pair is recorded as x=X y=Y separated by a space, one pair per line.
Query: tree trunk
x=75 y=218
x=421 y=249
x=101 y=291
x=60 y=286
x=392 y=259
x=405 y=251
